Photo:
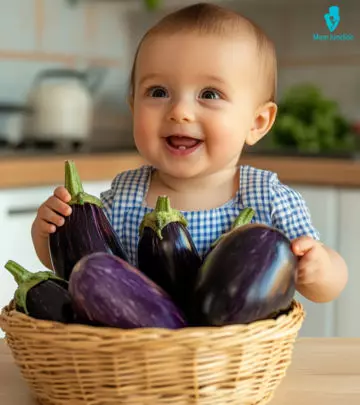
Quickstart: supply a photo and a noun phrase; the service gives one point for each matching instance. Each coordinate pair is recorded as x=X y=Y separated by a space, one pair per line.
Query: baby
x=203 y=85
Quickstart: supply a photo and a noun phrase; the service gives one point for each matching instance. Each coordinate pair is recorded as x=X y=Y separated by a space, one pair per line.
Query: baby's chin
x=181 y=171
x=187 y=170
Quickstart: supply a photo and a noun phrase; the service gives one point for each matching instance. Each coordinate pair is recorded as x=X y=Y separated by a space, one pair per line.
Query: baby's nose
x=181 y=111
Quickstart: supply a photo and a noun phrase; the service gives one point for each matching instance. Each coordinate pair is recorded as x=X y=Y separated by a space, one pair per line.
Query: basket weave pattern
x=78 y=365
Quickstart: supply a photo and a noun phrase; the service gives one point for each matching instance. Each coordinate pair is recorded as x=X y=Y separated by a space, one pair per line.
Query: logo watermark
x=332 y=20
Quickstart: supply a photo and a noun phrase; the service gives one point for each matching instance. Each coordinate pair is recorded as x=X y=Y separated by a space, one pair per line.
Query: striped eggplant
x=107 y=290
x=41 y=295
x=167 y=254
x=248 y=276
x=86 y=230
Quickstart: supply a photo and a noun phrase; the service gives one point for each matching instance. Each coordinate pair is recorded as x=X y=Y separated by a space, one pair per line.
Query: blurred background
x=64 y=73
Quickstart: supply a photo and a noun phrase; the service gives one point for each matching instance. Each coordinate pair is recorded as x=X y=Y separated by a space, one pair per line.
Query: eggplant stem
x=244 y=218
x=75 y=188
x=161 y=216
x=72 y=179
x=19 y=273
x=163 y=204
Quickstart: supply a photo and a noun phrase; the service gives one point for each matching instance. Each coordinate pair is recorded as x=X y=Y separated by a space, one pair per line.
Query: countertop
x=37 y=170
x=322 y=372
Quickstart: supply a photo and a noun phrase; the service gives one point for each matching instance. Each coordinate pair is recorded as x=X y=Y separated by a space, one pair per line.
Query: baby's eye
x=210 y=94
x=157 y=92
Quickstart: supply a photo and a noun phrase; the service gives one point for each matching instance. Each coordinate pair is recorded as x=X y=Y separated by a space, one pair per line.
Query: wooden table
x=323 y=372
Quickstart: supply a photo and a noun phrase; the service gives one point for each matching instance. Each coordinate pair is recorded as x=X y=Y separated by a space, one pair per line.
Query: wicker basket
x=78 y=365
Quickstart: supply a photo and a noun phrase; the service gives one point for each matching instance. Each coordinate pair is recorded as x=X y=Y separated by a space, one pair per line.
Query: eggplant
x=86 y=230
x=108 y=290
x=167 y=254
x=41 y=295
x=248 y=276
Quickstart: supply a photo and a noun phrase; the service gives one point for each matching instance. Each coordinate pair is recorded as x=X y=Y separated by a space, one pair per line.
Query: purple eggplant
x=86 y=230
x=248 y=276
x=167 y=254
x=109 y=291
x=41 y=295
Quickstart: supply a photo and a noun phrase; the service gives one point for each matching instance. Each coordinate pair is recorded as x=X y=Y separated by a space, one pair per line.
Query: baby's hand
x=50 y=214
x=314 y=260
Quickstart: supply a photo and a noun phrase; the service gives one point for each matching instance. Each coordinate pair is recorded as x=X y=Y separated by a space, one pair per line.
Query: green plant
x=152 y=4
x=309 y=122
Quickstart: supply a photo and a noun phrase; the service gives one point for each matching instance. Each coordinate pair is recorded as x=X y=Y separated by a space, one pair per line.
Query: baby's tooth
x=182 y=147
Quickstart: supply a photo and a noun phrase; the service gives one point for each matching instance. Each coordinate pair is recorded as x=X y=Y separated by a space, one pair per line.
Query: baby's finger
x=302 y=245
x=59 y=206
x=307 y=260
x=50 y=216
x=46 y=228
x=62 y=193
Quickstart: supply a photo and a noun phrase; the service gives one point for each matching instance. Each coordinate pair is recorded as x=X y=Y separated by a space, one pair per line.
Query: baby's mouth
x=182 y=142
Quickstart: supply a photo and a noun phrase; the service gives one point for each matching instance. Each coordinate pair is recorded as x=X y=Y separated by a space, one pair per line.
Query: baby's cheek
x=143 y=130
x=226 y=142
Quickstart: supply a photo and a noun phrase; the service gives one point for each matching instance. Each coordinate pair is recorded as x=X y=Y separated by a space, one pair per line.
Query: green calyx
x=242 y=219
x=161 y=216
x=26 y=280
x=74 y=186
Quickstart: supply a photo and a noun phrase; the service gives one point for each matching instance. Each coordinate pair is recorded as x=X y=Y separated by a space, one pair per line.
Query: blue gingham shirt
x=275 y=204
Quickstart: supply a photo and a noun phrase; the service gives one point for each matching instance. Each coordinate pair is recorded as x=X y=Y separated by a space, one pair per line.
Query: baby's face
x=195 y=99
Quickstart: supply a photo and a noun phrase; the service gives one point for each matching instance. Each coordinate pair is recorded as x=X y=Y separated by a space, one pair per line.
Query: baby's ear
x=263 y=121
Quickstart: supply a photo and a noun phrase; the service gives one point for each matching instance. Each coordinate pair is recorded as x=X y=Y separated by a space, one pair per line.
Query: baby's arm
x=322 y=272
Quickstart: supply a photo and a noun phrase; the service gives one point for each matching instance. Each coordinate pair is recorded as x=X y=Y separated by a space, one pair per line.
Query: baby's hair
x=205 y=18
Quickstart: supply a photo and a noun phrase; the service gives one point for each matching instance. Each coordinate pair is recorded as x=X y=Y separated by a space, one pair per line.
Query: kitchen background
x=42 y=44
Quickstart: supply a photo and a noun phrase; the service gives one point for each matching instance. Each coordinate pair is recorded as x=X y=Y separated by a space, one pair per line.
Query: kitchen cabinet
x=17 y=211
x=18 y=208
x=106 y=37
x=17 y=26
x=323 y=203
x=348 y=305
x=55 y=38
